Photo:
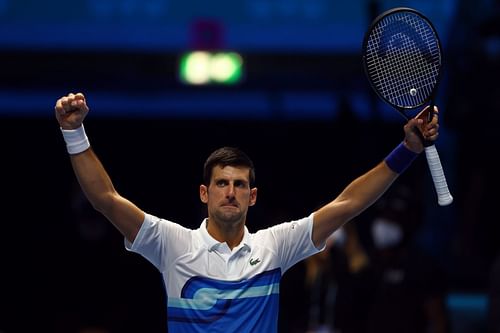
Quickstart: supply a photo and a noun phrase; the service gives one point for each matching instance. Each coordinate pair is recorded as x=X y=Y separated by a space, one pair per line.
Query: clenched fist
x=71 y=110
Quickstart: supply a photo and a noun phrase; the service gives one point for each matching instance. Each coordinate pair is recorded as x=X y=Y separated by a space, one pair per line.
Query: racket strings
x=403 y=59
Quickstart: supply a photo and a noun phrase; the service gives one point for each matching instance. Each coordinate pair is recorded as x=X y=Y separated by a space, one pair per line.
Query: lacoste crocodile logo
x=254 y=262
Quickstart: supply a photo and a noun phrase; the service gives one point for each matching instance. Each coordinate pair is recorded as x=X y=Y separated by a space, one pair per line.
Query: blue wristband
x=400 y=158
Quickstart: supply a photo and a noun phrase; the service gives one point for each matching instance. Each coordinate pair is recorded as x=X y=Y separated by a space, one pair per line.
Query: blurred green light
x=200 y=68
x=195 y=68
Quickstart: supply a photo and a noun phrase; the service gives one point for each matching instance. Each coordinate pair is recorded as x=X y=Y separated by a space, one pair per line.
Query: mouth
x=230 y=205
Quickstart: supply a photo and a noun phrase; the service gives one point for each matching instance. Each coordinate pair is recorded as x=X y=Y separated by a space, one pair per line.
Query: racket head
x=402 y=58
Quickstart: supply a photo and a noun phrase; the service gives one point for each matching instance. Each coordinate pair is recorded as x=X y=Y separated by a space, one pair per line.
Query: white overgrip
x=444 y=196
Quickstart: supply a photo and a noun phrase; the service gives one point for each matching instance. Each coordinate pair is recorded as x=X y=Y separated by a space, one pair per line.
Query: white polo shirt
x=211 y=288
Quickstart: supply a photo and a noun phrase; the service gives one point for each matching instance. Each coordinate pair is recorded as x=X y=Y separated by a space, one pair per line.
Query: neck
x=232 y=234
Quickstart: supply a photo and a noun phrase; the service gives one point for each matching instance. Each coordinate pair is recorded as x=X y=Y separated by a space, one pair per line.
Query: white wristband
x=76 y=140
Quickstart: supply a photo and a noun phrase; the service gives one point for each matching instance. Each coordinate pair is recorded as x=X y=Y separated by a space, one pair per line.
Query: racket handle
x=443 y=193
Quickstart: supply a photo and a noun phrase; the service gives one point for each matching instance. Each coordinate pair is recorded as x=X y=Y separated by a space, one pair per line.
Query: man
x=220 y=277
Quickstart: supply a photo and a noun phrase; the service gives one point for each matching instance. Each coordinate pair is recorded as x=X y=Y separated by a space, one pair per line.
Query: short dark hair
x=228 y=156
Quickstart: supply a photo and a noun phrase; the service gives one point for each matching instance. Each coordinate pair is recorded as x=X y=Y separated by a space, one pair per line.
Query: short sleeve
x=293 y=241
x=160 y=241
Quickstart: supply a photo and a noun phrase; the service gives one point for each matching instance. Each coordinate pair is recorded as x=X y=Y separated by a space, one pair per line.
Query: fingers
x=430 y=128
x=431 y=131
x=71 y=102
x=422 y=129
x=433 y=125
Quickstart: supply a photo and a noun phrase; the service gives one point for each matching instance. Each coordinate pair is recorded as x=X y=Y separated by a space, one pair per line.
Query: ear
x=253 y=196
x=204 y=194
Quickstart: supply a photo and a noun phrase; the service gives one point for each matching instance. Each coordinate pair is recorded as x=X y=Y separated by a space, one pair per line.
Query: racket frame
x=430 y=99
x=440 y=184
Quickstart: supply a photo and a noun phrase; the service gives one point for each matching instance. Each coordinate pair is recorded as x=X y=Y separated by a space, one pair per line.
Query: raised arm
x=95 y=182
x=366 y=189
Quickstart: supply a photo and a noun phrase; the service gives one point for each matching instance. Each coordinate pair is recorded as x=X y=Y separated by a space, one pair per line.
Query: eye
x=240 y=184
x=221 y=183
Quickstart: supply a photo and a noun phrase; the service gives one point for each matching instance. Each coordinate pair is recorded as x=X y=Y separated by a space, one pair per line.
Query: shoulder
x=295 y=226
x=286 y=232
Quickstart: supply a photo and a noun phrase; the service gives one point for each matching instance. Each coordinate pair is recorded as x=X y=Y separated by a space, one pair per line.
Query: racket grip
x=443 y=193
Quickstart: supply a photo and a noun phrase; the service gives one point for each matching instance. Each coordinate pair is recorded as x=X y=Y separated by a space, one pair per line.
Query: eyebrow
x=235 y=180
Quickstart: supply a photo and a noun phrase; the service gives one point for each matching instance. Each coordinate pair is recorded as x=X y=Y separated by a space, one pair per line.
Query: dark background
x=304 y=112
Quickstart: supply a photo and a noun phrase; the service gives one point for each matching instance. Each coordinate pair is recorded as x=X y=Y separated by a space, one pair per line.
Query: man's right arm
x=94 y=180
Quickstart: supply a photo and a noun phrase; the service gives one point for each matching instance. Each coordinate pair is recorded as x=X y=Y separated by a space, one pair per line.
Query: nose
x=230 y=191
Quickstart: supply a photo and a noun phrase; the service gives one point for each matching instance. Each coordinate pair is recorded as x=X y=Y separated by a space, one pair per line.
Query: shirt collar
x=212 y=244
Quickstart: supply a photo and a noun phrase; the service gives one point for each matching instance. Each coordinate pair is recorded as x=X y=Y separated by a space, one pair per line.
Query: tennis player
x=220 y=277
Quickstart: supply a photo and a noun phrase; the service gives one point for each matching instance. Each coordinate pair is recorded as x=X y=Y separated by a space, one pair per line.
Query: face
x=229 y=195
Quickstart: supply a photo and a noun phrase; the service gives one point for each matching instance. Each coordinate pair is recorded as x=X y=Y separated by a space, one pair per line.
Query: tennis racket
x=402 y=59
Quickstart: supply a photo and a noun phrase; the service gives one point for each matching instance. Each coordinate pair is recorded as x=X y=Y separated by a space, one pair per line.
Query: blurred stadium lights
x=299 y=56
x=202 y=67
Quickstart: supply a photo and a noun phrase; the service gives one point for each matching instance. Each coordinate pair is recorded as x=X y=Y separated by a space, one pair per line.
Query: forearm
x=366 y=189
x=93 y=179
